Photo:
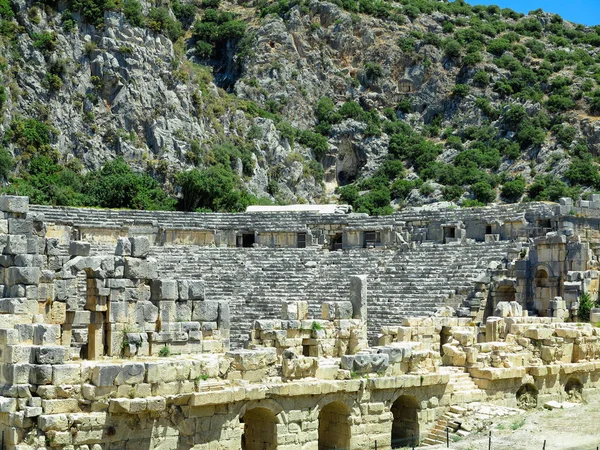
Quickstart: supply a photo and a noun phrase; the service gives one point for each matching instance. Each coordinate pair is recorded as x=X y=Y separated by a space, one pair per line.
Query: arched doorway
x=334 y=427
x=527 y=396
x=405 y=425
x=260 y=429
x=574 y=390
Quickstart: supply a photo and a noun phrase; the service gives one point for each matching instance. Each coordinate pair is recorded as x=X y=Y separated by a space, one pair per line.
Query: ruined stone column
x=358 y=296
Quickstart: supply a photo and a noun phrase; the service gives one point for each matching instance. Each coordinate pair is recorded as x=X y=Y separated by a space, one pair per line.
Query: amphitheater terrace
x=289 y=329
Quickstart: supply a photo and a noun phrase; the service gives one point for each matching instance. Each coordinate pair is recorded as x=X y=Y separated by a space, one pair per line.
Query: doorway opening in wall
x=336 y=242
x=405 y=425
x=445 y=337
x=260 y=430
x=301 y=240
x=245 y=240
x=371 y=238
x=488 y=229
x=334 y=427
x=449 y=233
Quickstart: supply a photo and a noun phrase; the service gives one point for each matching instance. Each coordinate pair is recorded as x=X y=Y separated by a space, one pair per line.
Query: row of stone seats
x=256 y=281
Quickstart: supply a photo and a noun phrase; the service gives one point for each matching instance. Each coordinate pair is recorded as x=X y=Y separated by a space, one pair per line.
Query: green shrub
x=582 y=171
x=585 y=306
x=557 y=103
x=164 y=352
x=46 y=41
x=461 y=90
x=498 y=46
x=513 y=190
x=7 y=163
x=116 y=185
x=452 y=48
x=160 y=21
x=132 y=10
x=482 y=78
x=3 y=97
x=30 y=135
x=407 y=44
x=317 y=142
x=216 y=188
x=483 y=192
x=373 y=70
x=595 y=102
x=6 y=11
x=452 y=193
x=530 y=134
x=405 y=106
x=184 y=12
x=52 y=82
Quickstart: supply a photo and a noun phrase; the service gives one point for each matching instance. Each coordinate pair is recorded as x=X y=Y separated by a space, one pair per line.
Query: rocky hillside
x=216 y=105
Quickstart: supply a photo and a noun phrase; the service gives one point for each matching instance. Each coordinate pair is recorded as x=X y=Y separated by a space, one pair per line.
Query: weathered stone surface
x=140 y=246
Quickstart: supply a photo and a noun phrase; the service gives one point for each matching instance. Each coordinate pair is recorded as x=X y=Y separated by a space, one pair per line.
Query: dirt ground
x=574 y=428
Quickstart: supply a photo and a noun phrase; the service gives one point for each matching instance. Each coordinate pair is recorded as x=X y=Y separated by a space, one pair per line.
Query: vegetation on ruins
x=511 y=120
x=585 y=306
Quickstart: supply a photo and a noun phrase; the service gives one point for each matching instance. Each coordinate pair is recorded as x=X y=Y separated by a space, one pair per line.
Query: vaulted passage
x=405 y=427
x=334 y=427
x=260 y=430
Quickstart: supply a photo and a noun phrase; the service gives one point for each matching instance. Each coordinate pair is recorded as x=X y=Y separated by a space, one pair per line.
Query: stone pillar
x=358 y=296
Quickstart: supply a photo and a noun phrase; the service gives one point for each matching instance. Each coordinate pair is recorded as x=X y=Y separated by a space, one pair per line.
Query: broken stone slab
x=553 y=404
x=196 y=289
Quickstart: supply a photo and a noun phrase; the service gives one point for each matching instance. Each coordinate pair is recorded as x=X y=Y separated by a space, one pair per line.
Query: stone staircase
x=447 y=428
x=464 y=389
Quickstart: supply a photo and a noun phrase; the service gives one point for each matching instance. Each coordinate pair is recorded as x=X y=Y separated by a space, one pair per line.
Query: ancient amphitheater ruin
x=309 y=329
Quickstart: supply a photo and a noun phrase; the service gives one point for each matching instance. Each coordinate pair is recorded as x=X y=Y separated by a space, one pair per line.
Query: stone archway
x=405 y=424
x=527 y=396
x=260 y=429
x=574 y=390
x=334 y=427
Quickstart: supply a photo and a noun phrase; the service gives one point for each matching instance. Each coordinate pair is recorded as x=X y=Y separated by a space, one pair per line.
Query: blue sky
x=586 y=12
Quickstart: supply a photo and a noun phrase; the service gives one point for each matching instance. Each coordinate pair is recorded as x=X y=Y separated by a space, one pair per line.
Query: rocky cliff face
x=113 y=89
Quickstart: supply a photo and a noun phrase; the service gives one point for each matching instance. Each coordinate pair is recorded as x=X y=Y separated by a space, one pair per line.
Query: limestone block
x=26 y=260
x=136 y=268
x=105 y=375
x=20 y=226
x=395 y=353
x=18 y=306
x=165 y=290
x=53 y=422
x=123 y=247
x=379 y=362
x=51 y=354
x=22 y=275
x=595 y=315
x=131 y=373
x=205 y=311
x=14 y=204
x=328 y=310
x=294 y=310
x=196 y=289
x=362 y=363
x=10 y=336
x=41 y=374
x=299 y=367
x=60 y=406
x=538 y=333
x=45 y=334
x=224 y=321
x=65 y=289
x=57 y=313
x=252 y=359
x=79 y=248
x=494 y=329
x=140 y=246
x=358 y=296
x=16 y=244
x=66 y=374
